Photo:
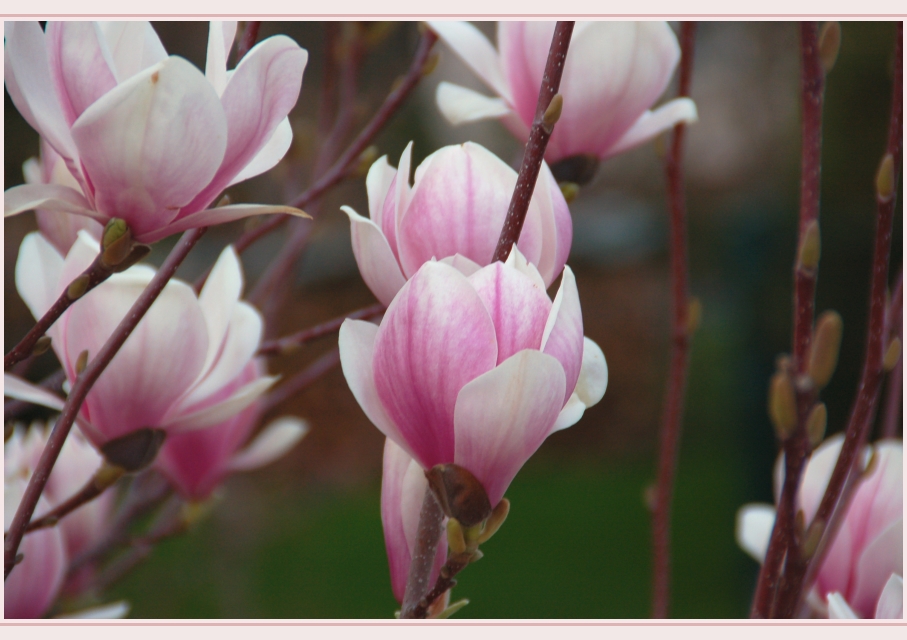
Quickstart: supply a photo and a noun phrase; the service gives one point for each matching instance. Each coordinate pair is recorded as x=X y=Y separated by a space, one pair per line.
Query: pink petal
x=220 y=39
x=155 y=366
x=180 y=421
x=891 y=602
x=557 y=226
x=523 y=48
x=880 y=558
x=460 y=105
x=378 y=184
x=473 y=48
x=518 y=308
x=270 y=154
x=504 y=415
x=651 y=123
x=464 y=265
x=218 y=215
x=55 y=198
x=397 y=200
x=31 y=87
x=259 y=95
x=435 y=337
x=374 y=257
x=357 y=353
x=563 y=337
x=79 y=65
x=151 y=144
x=218 y=300
x=134 y=46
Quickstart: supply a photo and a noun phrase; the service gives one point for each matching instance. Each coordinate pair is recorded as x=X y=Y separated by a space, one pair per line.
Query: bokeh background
x=302 y=538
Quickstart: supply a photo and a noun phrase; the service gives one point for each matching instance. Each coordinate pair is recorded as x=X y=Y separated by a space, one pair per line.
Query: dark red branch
x=248 y=39
x=303 y=379
x=290 y=343
x=82 y=386
x=891 y=418
x=431 y=517
x=681 y=332
x=539 y=134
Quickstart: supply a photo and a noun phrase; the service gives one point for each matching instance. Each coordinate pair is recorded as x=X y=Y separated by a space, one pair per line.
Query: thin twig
x=97 y=272
x=91 y=490
x=431 y=517
x=891 y=418
x=290 y=343
x=303 y=379
x=248 y=39
x=784 y=545
x=443 y=584
x=672 y=420
x=534 y=154
x=82 y=386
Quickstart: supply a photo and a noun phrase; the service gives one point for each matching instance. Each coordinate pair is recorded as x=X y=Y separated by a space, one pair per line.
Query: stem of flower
x=105 y=477
x=539 y=134
x=891 y=418
x=291 y=343
x=302 y=379
x=681 y=332
x=94 y=275
x=428 y=537
x=248 y=39
x=80 y=389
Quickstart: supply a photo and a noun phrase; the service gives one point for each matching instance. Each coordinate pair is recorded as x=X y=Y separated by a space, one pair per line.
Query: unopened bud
x=495 y=520
x=569 y=190
x=455 y=539
x=816 y=423
x=800 y=523
x=829 y=44
x=694 y=315
x=138 y=253
x=42 y=344
x=366 y=160
x=452 y=609
x=82 y=362
x=826 y=344
x=431 y=63
x=553 y=112
x=78 y=287
x=459 y=493
x=782 y=405
x=812 y=538
x=107 y=475
x=136 y=450
x=194 y=512
x=117 y=242
x=115 y=230
x=224 y=201
x=810 y=248
x=892 y=354
x=885 y=179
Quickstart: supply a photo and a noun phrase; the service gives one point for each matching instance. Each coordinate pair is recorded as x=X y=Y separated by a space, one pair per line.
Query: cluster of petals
x=35 y=583
x=171 y=372
x=196 y=462
x=147 y=137
x=454 y=213
x=862 y=572
x=613 y=74
x=475 y=370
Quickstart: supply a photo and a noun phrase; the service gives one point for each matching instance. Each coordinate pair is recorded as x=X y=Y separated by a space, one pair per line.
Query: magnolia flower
x=34 y=583
x=454 y=212
x=196 y=462
x=475 y=370
x=402 y=489
x=61 y=230
x=148 y=137
x=170 y=372
x=614 y=73
x=856 y=574
x=77 y=463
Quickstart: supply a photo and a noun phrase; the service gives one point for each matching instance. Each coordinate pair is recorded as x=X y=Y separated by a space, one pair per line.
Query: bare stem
x=431 y=518
x=82 y=386
x=290 y=343
x=444 y=583
x=539 y=134
x=96 y=273
x=303 y=379
x=681 y=332
x=891 y=418
x=248 y=39
x=91 y=490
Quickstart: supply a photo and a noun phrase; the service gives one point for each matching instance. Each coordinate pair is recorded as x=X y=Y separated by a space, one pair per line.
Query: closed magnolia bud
x=816 y=423
x=829 y=44
x=782 y=405
x=810 y=248
x=885 y=179
x=826 y=344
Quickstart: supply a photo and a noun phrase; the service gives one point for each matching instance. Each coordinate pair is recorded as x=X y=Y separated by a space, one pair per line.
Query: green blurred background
x=303 y=539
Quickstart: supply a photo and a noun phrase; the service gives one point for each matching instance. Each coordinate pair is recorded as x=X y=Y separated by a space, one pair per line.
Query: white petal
x=651 y=123
x=459 y=104
x=219 y=412
x=112 y=611
x=20 y=389
x=593 y=376
x=270 y=154
x=838 y=609
x=134 y=46
x=218 y=215
x=218 y=299
x=377 y=183
x=754 y=528
x=220 y=39
x=476 y=51
x=274 y=441
x=52 y=197
x=570 y=414
x=891 y=602
x=519 y=262
x=376 y=261
x=38 y=270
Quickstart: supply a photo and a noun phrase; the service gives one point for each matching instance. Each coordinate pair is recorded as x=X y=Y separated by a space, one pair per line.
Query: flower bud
x=826 y=344
x=829 y=44
x=885 y=179
x=42 y=344
x=78 y=287
x=553 y=112
x=816 y=423
x=892 y=354
x=782 y=405
x=810 y=248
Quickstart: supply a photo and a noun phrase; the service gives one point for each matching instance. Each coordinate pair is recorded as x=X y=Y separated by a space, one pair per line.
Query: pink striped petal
x=557 y=226
x=518 y=308
x=259 y=95
x=80 y=65
x=504 y=415
x=54 y=198
x=151 y=144
x=373 y=254
x=397 y=200
x=563 y=337
x=523 y=50
x=435 y=337
x=476 y=51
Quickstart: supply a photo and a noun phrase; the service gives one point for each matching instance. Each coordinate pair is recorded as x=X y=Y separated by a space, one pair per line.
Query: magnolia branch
x=80 y=389
x=291 y=343
x=681 y=332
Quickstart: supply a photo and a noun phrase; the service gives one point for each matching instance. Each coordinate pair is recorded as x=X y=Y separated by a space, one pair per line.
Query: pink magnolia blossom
x=196 y=462
x=147 y=136
x=170 y=372
x=61 y=230
x=34 y=583
x=868 y=548
x=475 y=370
x=614 y=73
x=402 y=489
x=454 y=212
